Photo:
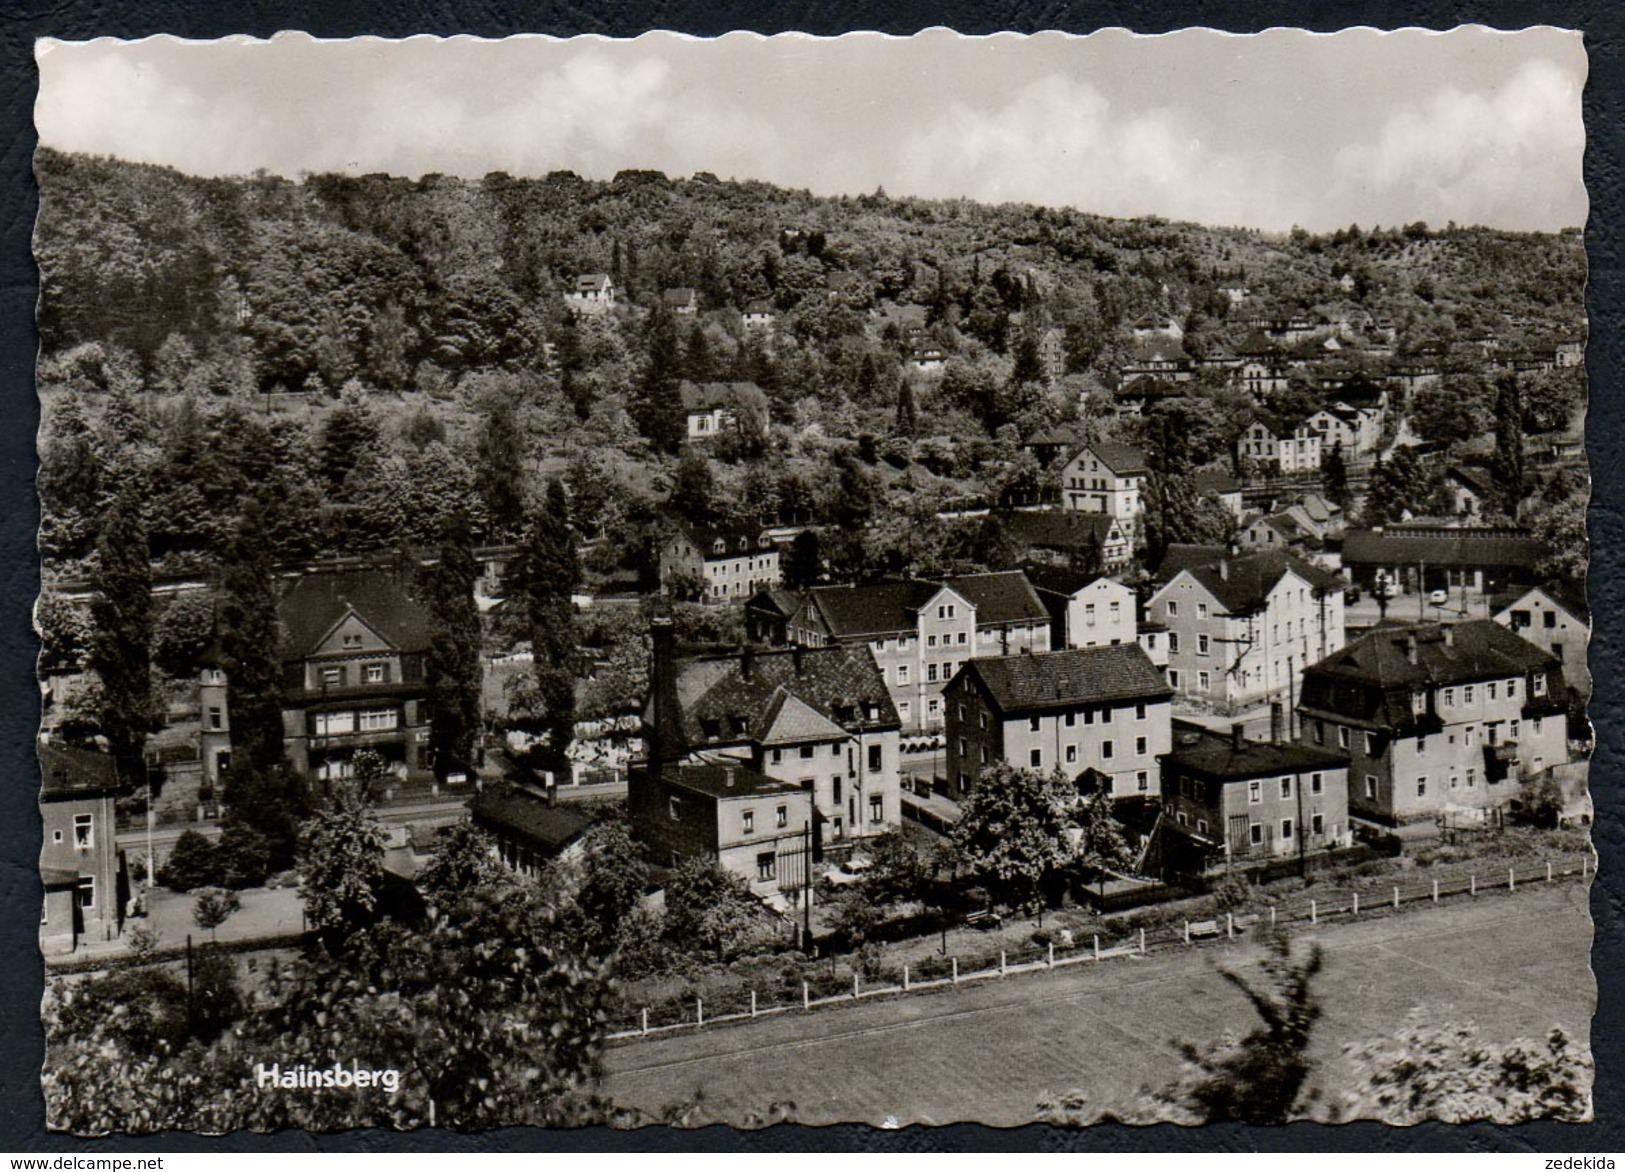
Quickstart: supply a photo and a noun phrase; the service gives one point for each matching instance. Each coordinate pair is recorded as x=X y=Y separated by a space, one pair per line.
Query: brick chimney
x=1449 y=634
x=664 y=732
x=1238 y=736
x=1410 y=647
x=1277 y=722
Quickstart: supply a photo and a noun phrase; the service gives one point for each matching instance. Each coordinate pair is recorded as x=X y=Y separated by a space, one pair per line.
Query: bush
x=193 y=862
x=244 y=855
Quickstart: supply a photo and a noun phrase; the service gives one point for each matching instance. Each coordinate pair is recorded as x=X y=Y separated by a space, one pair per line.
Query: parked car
x=1439 y=597
x=1352 y=594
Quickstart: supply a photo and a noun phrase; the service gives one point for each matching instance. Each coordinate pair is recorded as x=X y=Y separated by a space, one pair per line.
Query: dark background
x=22 y=1126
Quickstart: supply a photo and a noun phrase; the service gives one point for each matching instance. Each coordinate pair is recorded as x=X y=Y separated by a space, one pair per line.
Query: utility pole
x=806 y=888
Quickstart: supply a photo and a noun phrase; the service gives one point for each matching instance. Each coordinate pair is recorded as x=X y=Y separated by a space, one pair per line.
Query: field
x=1514 y=965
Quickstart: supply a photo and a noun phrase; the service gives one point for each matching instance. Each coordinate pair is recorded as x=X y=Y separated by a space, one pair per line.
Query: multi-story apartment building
x=1436 y=718
x=921 y=632
x=353 y=657
x=1281 y=449
x=1086 y=610
x=818 y=719
x=1554 y=619
x=1240 y=629
x=1248 y=800
x=1105 y=709
x=723 y=565
x=1107 y=478
x=81 y=866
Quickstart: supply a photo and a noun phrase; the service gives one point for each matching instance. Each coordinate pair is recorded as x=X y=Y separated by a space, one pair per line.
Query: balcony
x=399 y=735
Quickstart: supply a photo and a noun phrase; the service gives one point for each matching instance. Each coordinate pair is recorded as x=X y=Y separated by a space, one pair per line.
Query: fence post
x=699 y=1012
x=806 y=996
x=1229 y=925
x=1313 y=912
x=1272 y=915
x=1472 y=884
x=955 y=961
x=1001 y=962
x=753 y=1002
x=905 y=978
x=1435 y=891
x=1142 y=941
x=645 y=1021
x=1187 y=931
x=1512 y=881
x=1396 y=898
x=857 y=988
x=1097 y=945
x=1051 y=961
x=1356 y=904
x=1548 y=870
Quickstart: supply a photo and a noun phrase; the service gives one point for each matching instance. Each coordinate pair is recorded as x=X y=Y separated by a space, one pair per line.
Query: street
x=989 y=1052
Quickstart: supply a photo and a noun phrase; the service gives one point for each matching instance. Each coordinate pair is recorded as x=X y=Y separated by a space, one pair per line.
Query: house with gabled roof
x=1068 y=538
x=590 y=293
x=1157 y=357
x=81 y=866
x=724 y=563
x=1280 y=447
x=1241 y=628
x=1102 y=709
x=919 y=632
x=1222 y=486
x=1107 y=477
x=682 y=301
x=353 y=649
x=1436 y=718
x=719 y=408
x=813 y=721
x=1555 y=617
x=758 y=314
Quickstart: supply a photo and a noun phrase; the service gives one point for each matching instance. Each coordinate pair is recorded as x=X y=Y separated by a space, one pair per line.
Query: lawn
x=1515 y=966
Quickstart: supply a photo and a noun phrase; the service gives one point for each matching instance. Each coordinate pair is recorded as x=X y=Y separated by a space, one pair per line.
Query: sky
x=1268 y=131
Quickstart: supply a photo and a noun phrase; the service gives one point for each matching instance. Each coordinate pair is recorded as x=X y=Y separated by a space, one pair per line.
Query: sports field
x=1515 y=965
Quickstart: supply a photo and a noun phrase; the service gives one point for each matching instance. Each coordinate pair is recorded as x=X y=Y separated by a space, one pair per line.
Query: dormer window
x=1419 y=701
x=711 y=727
x=1538 y=681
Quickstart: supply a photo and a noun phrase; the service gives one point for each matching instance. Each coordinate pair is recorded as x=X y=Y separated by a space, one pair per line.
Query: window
x=1342 y=737
x=1071 y=720
x=1142 y=781
x=1472 y=776
x=674 y=807
x=1286 y=787
x=930 y=673
x=902 y=673
x=1117 y=611
x=781 y=817
x=378 y=719
x=1201 y=610
x=1370 y=744
x=217 y=716
x=930 y=640
x=329 y=724
x=1371 y=787
x=1036 y=758
x=932 y=707
x=1469 y=735
x=1173 y=642
x=1088 y=716
x=84 y=831
x=877 y=809
x=877 y=758
x=1173 y=608
x=87 y=891
x=1491 y=687
x=835 y=751
x=1539 y=679
x=806 y=752
x=1139 y=746
x=1201 y=826
x=835 y=783
x=1201 y=645
x=1421 y=745
x=1549 y=620
x=964 y=747
x=1255 y=834
x=1286 y=829
x=778 y=756
x=1421 y=787
x=1032 y=724
x=1173 y=677
x=1089 y=614
x=1315 y=783
x=1139 y=710
x=1255 y=792
x=1512 y=689
x=766 y=865
x=1317 y=824
x=1204 y=682
x=1467 y=694
x=332 y=677
x=962 y=638
x=1450 y=697
x=1455 y=781
x=1512 y=730
x=1072 y=754
x=905 y=709
x=747 y=821
x=375 y=673
x=1105 y=750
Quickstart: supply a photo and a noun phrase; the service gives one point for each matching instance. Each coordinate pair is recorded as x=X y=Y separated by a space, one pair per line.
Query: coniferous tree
x=501 y=467
x=1506 y=463
x=250 y=638
x=657 y=407
x=907 y=410
x=546 y=574
x=453 y=668
x=121 y=650
x=1334 y=476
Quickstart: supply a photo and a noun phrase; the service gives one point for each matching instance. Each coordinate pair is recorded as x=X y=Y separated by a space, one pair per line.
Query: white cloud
x=1058 y=141
x=1510 y=155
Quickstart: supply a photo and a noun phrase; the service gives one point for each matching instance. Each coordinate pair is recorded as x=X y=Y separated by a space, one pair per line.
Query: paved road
x=1514 y=964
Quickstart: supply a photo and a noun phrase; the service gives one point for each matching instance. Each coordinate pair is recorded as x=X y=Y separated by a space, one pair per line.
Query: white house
x=1107 y=478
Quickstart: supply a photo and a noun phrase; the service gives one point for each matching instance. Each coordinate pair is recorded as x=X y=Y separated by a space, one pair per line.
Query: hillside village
x=764 y=549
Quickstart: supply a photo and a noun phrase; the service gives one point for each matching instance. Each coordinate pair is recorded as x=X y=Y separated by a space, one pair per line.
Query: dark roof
x=317 y=601
x=1477 y=479
x=1123 y=459
x=682 y=295
x=841 y=683
x=1477 y=650
x=1145 y=386
x=1066 y=679
x=1441 y=546
x=705 y=538
x=1063 y=580
x=589 y=281
x=726 y=781
x=1158 y=350
x=1571 y=597
x=775 y=600
x=67 y=772
x=709 y=396
x=1215 y=755
x=1182 y=555
x=758 y=305
x=1242 y=584
x=870 y=610
x=1216 y=481
x=1000 y=597
x=552 y=828
x=1057 y=529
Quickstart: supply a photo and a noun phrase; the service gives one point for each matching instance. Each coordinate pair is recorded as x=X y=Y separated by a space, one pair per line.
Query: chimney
x=1410 y=647
x=664 y=735
x=728 y=776
x=1224 y=569
x=747 y=662
x=1449 y=634
x=1276 y=722
x=1238 y=736
x=795 y=657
